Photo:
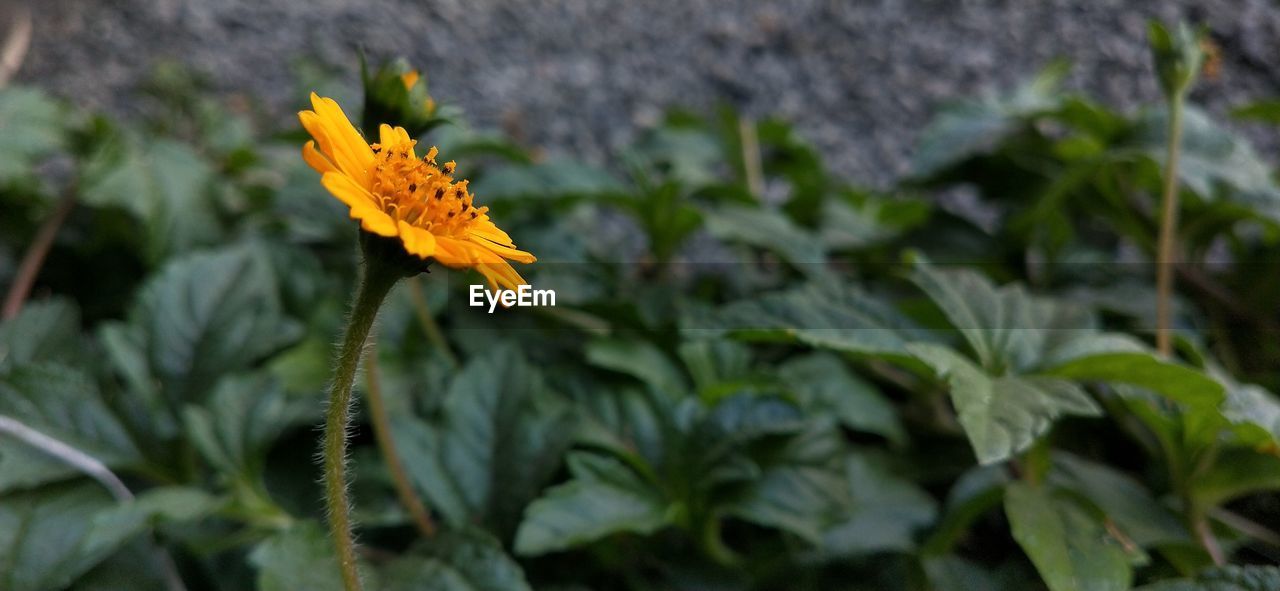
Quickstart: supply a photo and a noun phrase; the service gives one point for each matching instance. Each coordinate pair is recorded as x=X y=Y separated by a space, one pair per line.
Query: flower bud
x=396 y=94
x=1178 y=56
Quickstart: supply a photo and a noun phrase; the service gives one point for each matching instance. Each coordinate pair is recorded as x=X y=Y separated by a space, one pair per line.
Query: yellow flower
x=395 y=194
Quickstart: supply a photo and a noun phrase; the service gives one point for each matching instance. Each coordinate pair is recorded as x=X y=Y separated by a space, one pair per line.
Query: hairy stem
x=387 y=445
x=1166 y=257
x=374 y=285
x=34 y=257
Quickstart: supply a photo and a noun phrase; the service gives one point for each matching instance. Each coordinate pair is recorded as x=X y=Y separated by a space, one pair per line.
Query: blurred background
x=860 y=79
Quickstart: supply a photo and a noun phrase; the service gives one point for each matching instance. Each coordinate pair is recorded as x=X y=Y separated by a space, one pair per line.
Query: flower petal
x=416 y=240
x=455 y=253
x=316 y=160
x=362 y=203
x=487 y=230
x=507 y=252
x=341 y=142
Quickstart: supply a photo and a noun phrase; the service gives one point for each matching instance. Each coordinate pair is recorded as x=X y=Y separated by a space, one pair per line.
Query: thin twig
x=428 y=321
x=16 y=45
x=1166 y=258
x=387 y=445
x=29 y=269
x=1204 y=533
x=1254 y=529
x=752 y=165
x=96 y=470
x=68 y=455
x=1195 y=278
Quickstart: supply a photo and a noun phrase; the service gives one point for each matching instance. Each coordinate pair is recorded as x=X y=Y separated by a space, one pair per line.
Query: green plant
x=756 y=376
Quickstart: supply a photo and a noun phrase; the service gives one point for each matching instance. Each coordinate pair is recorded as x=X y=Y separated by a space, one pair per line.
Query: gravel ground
x=581 y=76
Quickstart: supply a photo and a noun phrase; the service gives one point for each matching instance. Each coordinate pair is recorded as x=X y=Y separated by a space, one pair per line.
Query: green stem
x=374 y=285
x=381 y=423
x=428 y=322
x=1168 y=230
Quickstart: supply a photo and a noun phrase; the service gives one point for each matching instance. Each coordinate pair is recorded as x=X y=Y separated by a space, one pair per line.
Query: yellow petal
x=348 y=143
x=416 y=240
x=452 y=252
x=315 y=159
x=511 y=253
x=496 y=269
x=485 y=229
x=388 y=138
x=404 y=138
x=338 y=152
x=364 y=206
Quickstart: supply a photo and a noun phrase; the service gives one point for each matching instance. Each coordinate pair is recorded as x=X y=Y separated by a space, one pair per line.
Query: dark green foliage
x=817 y=387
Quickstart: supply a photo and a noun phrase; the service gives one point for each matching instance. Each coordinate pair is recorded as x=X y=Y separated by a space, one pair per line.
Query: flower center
x=420 y=193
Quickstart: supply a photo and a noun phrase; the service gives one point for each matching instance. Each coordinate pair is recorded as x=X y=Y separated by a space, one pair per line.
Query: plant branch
x=71 y=456
x=29 y=269
x=752 y=166
x=1167 y=253
x=1252 y=528
x=382 y=432
x=94 y=469
x=428 y=321
x=377 y=281
x=16 y=45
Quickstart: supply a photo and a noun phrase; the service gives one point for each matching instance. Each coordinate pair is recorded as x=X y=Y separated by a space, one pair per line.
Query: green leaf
x=976 y=492
x=301 y=558
x=553 y=179
x=1212 y=159
x=170 y=504
x=1008 y=328
x=1236 y=472
x=44 y=330
x=31 y=126
x=1266 y=111
x=862 y=220
x=165 y=184
x=499 y=438
x=639 y=359
x=883 y=513
x=1070 y=549
x=630 y=423
x=823 y=384
x=455 y=561
x=1177 y=382
x=64 y=404
x=1003 y=415
x=1253 y=411
x=1226 y=578
x=827 y=315
x=245 y=414
x=716 y=365
x=605 y=497
x=47 y=536
x=803 y=490
x=136 y=566
x=972 y=128
x=208 y=314
x=770 y=230
x=957 y=574
x=1132 y=507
